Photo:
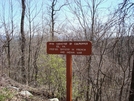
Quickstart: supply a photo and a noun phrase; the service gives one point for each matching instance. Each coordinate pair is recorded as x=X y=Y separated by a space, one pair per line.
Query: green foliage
x=5 y=94
x=77 y=89
x=53 y=73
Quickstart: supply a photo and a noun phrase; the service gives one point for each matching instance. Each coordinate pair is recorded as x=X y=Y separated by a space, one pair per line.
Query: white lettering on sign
x=73 y=48
x=57 y=46
x=70 y=43
x=79 y=52
x=66 y=49
x=51 y=49
x=69 y=52
x=80 y=49
x=63 y=46
x=54 y=49
x=81 y=43
x=62 y=52
x=61 y=43
x=51 y=43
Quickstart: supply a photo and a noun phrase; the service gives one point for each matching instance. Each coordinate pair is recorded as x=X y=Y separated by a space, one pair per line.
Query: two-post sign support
x=69 y=48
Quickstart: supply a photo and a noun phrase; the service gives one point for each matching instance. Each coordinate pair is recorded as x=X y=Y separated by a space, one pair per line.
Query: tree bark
x=23 y=73
x=52 y=18
x=131 y=95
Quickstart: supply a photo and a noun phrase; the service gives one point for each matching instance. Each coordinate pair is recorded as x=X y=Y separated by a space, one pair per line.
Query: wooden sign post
x=69 y=48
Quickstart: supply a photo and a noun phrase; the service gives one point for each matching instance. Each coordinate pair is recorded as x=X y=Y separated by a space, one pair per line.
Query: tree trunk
x=23 y=72
x=8 y=54
x=52 y=18
x=131 y=95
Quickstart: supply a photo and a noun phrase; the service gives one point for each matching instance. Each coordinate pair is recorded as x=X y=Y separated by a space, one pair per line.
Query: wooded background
x=105 y=75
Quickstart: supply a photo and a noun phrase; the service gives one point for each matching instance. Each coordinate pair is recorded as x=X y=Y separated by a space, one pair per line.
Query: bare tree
x=8 y=27
x=101 y=35
x=23 y=42
x=52 y=12
x=31 y=15
x=89 y=34
x=125 y=10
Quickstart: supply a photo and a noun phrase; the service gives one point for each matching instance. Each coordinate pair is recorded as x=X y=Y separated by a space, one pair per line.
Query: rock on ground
x=54 y=99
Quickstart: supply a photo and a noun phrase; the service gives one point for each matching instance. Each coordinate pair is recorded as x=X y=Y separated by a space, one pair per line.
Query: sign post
x=69 y=77
x=69 y=48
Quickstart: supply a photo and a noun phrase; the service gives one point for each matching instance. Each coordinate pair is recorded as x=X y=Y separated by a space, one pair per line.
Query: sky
x=38 y=6
x=4 y=4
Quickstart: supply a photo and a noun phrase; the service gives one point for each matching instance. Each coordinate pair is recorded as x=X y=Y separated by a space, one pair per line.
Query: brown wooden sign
x=69 y=48
x=72 y=48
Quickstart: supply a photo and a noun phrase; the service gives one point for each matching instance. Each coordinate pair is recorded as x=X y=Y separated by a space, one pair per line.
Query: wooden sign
x=72 y=48
x=69 y=48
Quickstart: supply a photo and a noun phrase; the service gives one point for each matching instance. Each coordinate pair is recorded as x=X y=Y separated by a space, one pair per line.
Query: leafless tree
x=89 y=34
x=52 y=12
x=8 y=27
x=23 y=42
x=125 y=10
x=31 y=34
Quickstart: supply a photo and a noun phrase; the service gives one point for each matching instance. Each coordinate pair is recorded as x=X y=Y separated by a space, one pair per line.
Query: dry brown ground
x=8 y=91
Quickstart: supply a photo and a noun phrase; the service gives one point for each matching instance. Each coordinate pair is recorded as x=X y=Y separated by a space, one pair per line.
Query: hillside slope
x=11 y=91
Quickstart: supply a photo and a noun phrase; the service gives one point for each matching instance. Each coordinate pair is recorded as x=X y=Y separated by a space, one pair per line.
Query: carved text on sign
x=73 y=48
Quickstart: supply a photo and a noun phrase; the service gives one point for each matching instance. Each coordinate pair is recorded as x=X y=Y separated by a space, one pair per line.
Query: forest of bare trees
x=106 y=75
